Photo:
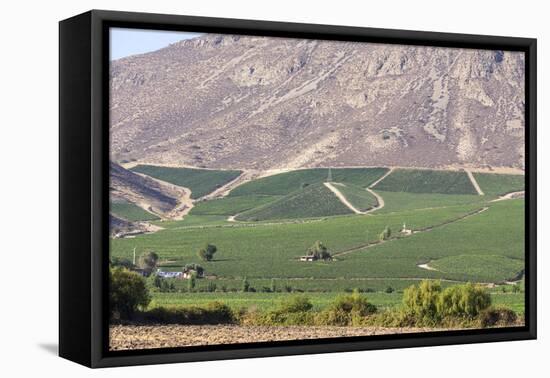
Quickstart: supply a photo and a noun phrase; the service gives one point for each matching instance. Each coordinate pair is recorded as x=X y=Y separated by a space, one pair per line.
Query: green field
x=357 y=196
x=463 y=236
x=400 y=201
x=131 y=212
x=312 y=201
x=199 y=181
x=231 y=205
x=426 y=181
x=495 y=184
x=270 y=250
x=286 y=183
x=489 y=268
x=265 y=301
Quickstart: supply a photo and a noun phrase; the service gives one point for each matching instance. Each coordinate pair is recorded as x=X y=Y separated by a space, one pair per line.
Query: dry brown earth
x=167 y=336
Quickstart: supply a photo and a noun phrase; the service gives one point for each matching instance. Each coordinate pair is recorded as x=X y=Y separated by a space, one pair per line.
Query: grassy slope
x=286 y=183
x=199 y=181
x=357 y=196
x=313 y=201
x=425 y=181
x=131 y=212
x=231 y=205
x=495 y=184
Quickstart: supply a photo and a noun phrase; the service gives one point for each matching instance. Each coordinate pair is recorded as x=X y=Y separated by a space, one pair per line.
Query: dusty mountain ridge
x=266 y=103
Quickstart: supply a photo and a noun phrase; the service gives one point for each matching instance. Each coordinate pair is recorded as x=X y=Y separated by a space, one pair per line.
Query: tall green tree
x=386 y=234
x=246 y=285
x=207 y=252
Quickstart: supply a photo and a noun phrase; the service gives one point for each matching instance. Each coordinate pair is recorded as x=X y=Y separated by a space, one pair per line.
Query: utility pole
x=329 y=178
x=134 y=260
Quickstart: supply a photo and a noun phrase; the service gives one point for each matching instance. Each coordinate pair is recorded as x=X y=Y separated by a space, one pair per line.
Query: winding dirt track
x=342 y=198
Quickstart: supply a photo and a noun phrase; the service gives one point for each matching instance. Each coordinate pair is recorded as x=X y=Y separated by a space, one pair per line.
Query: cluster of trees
x=319 y=251
x=428 y=303
x=207 y=252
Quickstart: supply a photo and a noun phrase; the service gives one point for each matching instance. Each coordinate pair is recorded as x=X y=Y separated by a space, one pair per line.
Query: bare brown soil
x=124 y=337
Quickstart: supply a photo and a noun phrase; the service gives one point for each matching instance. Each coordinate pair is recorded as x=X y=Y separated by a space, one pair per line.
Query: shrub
x=347 y=310
x=127 y=293
x=390 y=290
x=463 y=301
x=121 y=262
x=392 y=318
x=271 y=318
x=295 y=303
x=497 y=316
x=211 y=313
x=429 y=305
x=154 y=282
x=211 y=287
x=294 y=310
x=191 y=283
x=421 y=302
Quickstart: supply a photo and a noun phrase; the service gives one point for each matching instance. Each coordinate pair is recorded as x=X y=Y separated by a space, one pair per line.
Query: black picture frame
x=84 y=190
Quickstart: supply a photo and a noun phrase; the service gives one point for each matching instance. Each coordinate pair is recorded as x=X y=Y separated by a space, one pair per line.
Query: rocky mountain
x=267 y=103
x=145 y=192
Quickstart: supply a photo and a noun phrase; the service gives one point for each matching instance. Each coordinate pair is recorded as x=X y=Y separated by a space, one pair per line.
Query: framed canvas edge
x=100 y=20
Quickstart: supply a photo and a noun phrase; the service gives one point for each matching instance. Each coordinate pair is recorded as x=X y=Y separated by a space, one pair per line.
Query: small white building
x=307 y=258
x=169 y=274
x=405 y=230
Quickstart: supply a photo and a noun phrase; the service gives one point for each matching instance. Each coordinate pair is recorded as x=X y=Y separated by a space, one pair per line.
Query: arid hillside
x=267 y=103
x=151 y=195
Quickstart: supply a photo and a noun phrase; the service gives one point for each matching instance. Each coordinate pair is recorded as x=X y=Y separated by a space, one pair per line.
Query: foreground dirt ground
x=124 y=337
